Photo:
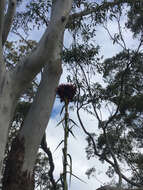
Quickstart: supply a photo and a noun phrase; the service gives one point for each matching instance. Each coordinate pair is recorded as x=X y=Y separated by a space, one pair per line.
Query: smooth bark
x=24 y=149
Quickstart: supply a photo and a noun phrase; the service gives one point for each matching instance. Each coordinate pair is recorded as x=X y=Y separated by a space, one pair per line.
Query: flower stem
x=66 y=131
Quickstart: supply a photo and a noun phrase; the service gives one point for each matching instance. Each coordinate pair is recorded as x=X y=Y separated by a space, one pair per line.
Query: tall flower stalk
x=65 y=149
x=66 y=94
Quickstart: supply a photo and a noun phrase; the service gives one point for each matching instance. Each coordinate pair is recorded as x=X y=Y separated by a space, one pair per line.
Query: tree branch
x=116 y=165
x=39 y=114
x=47 y=48
x=51 y=162
x=113 y=164
x=104 y=5
x=47 y=54
x=8 y=20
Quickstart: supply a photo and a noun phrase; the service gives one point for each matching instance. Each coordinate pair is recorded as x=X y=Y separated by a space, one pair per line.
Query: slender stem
x=65 y=187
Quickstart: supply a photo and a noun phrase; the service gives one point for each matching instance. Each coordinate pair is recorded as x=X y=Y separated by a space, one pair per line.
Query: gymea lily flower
x=66 y=92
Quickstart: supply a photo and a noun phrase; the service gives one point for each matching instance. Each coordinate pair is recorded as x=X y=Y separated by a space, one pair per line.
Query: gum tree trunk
x=19 y=170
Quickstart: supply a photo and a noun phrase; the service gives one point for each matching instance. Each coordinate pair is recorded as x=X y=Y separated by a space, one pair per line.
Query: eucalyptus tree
x=116 y=102
x=21 y=159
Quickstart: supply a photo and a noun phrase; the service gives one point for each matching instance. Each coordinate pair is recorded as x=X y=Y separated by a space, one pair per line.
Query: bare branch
x=8 y=20
x=51 y=162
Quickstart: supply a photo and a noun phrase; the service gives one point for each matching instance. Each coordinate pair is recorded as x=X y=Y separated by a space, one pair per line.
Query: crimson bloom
x=66 y=92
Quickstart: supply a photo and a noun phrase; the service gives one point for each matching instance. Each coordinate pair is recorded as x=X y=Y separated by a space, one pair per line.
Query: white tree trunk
x=23 y=153
x=6 y=113
x=39 y=114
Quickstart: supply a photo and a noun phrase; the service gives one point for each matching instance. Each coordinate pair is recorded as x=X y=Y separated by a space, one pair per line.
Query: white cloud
x=76 y=148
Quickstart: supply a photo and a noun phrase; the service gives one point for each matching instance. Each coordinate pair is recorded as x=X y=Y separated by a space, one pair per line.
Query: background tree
x=118 y=141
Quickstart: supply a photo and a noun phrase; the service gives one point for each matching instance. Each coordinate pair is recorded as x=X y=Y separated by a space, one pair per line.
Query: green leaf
x=70 y=166
x=71 y=133
x=62 y=110
x=59 y=145
x=77 y=177
x=60 y=122
x=73 y=122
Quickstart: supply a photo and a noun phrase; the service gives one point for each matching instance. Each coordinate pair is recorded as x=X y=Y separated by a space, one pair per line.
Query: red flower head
x=66 y=92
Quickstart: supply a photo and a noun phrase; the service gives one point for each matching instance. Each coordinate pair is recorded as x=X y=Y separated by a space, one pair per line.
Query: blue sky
x=57 y=108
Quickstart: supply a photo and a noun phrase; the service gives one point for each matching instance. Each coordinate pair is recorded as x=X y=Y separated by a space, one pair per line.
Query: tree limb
x=49 y=54
x=48 y=46
x=39 y=114
x=8 y=20
x=113 y=164
x=116 y=165
x=103 y=5
x=50 y=159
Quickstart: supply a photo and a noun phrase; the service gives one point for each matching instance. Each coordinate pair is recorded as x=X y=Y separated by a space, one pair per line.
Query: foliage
x=119 y=136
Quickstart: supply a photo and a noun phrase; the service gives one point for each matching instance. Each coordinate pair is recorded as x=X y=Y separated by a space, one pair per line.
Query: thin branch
x=8 y=20
x=88 y=134
x=90 y=93
x=113 y=164
x=111 y=37
x=97 y=154
x=116 y=165
x=26 y=41
x=51 y=163
x=104 y=5
x=140 y=43
x=42 y=18
x=120 y=33
x=111 y=118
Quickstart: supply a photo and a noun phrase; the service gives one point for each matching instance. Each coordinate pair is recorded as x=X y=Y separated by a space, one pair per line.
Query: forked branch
x=113 y=163
x=48 y=46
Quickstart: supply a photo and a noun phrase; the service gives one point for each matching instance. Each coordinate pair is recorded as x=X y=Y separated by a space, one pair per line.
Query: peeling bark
x=14 y=178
